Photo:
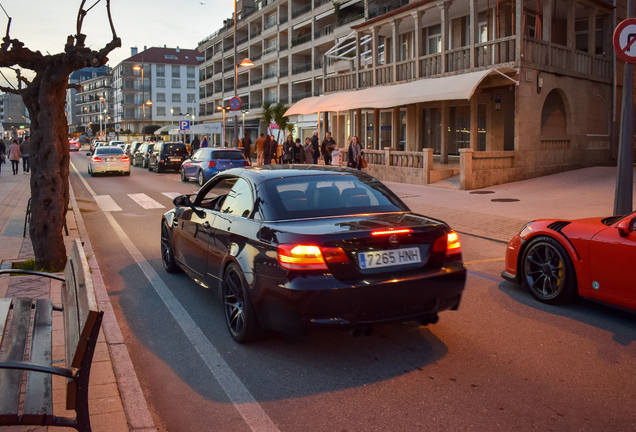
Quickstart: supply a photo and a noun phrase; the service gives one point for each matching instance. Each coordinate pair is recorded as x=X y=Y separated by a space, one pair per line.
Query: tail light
x=247 y=163
x=125 y=159
x=307 y=257
x=211 y=164
x=391 y=231
x=161 y=160
x=96 y=159
x=449 y=243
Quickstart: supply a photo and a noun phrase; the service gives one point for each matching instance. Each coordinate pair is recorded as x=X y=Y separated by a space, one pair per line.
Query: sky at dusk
x=45 y=24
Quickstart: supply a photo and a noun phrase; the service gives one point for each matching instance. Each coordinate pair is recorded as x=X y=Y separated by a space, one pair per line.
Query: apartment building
x=14 y=117
x=287 y=41
x=95 y=102
x=167 y=93
x=483 y=91
x=72 y=111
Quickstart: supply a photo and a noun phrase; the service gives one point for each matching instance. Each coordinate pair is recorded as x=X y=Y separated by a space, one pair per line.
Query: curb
x=132 y=397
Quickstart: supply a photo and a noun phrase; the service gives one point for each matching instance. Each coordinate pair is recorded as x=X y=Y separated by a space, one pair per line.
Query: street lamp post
x=244 y=112
x=220 y=108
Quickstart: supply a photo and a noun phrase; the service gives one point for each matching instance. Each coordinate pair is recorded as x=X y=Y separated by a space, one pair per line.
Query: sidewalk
x=587 y=192
x=115 y=403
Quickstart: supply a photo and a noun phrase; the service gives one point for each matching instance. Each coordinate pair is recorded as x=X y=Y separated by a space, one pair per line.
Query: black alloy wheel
x=548 y=272
x=158 y=168
x=239 y=312
x=183 y=176
x=149 y=166
x=167 y=256
x=201 y=178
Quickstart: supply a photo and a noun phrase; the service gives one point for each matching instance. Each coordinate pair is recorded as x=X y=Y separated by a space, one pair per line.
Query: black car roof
x=266 y=172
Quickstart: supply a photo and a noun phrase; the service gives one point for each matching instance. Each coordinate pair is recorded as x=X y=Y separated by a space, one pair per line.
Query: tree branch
x=75 y=86
x=80 y=19
x=10 y=90
x=110 y=20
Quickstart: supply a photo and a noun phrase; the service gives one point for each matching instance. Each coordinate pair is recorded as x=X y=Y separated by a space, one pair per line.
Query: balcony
x=284 y=72
x=328 y=29
x=256 y=56
x=243 y=84
x=349 y=19
x=318 y=63
x=301 y=40
x=270 y=49
x=256 y=104
x=283 y=45
x=301 y=68
x=302 y=10
x=256 y=33
x=242 y=39
x=271 y=22
x=318 y=3
x=228 y=68
x=256 y=81
x=298 y=96
x=283 y=99
x=386 y=7
x=228 y=88
x=283 y=19
x=270 y=74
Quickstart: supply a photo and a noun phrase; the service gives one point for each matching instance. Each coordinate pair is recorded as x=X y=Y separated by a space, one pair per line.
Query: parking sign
x=184 y=125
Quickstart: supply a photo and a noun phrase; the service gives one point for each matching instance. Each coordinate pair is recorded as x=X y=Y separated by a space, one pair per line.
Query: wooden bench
x=24 y=320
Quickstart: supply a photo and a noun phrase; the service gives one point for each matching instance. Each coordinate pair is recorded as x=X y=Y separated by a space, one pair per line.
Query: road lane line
x=171 y=195
x=145 y=201
x=90 y=190
x=484 y=261
x=106 y=203
x=241 y=398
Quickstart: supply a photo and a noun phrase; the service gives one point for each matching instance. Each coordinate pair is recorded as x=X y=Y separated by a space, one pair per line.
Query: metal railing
x=301 y=40
x=270 y=49
x=298 y=96
x=328 y=29
x=256 y=33
x=297 y=69
x=318 y=63
x=271 y=22
x=301 y=10
x=270 y=74
x=256 y=56
x=255 y=104
x=283 y=19
x=351 y=18
x=318 y=3
x=284 y=72
x=228 y=68
x=378 y=9
x=283 y=45
x=255 y=81
x=241 y=39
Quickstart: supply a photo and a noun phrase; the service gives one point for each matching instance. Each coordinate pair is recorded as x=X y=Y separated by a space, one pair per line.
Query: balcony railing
x=243 y=84
x=228 y=87
x=386 y=7
x=242 y=39
x=284 y=72
x=283 y=45
x=270 y=74
x=271 y=22
x=349 y=19
x=228 y=68
x=283 y=99
x=256 y=56
x=297 y=69
x=256 y=33
x=270 y=49
x=318 y=63
x=301 y=10
x=301 y=40
x=256 y=81
x=283 y=19
x=256 y=104
x=318 y=3
x=298 y=96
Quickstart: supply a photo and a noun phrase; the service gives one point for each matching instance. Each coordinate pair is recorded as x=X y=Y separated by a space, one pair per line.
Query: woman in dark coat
x=267 y=151
x=297 y=153
x=288 y=148
x=354 y=153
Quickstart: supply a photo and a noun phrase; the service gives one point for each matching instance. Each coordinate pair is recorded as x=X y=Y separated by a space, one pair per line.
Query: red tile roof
x=157 y=55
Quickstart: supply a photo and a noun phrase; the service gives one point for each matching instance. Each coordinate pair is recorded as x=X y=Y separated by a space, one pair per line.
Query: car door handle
x=206 y=225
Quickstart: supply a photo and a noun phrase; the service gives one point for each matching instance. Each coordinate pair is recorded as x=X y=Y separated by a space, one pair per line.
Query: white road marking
x=241 y=398
x=90 y=190
x=145 y=201
x=171 y=195
x=106 y=203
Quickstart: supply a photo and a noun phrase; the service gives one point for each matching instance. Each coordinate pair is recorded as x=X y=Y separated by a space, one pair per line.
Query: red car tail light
x=125 y=159
x=247 y=163
x=96 y=159
x=308 y=257
x=449 y=243
x=391 y=231
x=211 y=164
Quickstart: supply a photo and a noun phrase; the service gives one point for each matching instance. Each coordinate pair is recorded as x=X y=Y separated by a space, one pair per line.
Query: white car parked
x=108 y=159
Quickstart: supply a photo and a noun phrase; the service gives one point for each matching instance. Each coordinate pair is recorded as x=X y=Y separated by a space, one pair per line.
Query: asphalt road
x=501 y=362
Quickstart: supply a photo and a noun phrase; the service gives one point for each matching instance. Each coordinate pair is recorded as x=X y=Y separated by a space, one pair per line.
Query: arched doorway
x=553 y=117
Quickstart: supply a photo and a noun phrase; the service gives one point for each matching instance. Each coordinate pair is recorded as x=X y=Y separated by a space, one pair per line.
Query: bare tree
x=45 y=97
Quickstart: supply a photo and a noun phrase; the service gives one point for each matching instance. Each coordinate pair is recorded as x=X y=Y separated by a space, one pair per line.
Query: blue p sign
x=184 y=124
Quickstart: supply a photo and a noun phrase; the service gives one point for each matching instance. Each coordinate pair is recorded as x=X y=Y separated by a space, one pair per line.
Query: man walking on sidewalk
x=314 y=144
x=247 y=146
x=327 y=147
x=259 y=149
x=24 y=149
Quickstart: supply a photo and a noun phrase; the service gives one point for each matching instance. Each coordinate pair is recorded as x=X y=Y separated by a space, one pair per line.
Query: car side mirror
x=182 y=201
x=626 y=226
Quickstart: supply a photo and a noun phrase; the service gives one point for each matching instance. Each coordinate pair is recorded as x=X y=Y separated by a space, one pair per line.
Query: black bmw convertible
x=303 y=246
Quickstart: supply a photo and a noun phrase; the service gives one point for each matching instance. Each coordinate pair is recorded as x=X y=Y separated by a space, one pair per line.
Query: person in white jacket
x=336 y=155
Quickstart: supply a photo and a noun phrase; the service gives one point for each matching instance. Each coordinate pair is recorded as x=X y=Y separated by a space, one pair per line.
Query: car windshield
x=150 y=147
x=227 y=154
x=175 y=149
x=329 y=195
x=117 y=143
x=109 y=150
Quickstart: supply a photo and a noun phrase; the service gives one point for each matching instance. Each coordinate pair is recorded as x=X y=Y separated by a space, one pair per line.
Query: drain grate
x=481 y=192
x=504 y=200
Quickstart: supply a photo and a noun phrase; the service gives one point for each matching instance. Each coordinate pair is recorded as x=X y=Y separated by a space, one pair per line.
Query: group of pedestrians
x=17 y=150
x=295 y=152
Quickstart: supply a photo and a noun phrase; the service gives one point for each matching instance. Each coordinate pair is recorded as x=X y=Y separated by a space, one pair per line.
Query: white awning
x=206 y=128
x=165 y=130
x=455 y=87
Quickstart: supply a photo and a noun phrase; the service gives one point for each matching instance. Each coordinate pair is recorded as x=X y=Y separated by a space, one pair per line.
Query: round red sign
x=625 y=40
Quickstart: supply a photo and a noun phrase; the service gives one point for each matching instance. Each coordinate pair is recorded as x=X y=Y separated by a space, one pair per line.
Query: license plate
x=175 y=159
x=111 y=159
x=377 y=259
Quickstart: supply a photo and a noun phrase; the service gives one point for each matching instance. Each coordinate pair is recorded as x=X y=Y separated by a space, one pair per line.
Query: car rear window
x=329 y=195
x=175 y=149
x=227 y=154
x=109 y=150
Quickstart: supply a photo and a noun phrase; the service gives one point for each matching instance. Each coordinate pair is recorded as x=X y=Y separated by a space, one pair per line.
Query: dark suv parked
x=141 y=155
x=168 y=155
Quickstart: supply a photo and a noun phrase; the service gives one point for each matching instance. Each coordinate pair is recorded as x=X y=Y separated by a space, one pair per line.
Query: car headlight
x=525 y=226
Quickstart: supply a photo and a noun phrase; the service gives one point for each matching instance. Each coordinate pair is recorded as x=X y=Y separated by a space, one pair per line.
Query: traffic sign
x=625 y=40
x=117 y=127
x=184 y=125
x=235 y=103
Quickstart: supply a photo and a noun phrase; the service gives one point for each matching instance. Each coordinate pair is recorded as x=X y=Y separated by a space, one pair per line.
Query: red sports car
x=556 y=259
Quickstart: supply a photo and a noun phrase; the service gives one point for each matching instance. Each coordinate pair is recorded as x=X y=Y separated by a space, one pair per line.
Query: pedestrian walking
x=260 y=149
x=309 y=151
x=288 y=149
x=327 y=147
x=314 y=143
x=298 y=152
x=196 y=144
x=336 y=155
x=355 y=154
x=273 y=152
x=204 y=143
x=247 y=146
x=24 y=149
x=267 y=149
x=3 y=154
x=14 y=156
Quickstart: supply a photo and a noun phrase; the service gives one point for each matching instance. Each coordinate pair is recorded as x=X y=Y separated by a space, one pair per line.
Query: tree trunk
x=49 y=157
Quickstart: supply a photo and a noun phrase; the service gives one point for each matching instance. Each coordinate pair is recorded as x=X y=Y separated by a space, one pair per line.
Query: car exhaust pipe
x=430 y=319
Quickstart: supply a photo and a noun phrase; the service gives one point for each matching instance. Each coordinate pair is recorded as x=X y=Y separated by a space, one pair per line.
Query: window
x=161 y=97
x=190 y=72
x=176 y=71
x=161 y=70
x=191 y=84
x=161 y=82
x=171 y=57
x=190 y=110
x=176 y=110
x=176 y=83
x=239 y=202
x=161 y=111
x=176 y=97
x=191 y=98
x=434 y=44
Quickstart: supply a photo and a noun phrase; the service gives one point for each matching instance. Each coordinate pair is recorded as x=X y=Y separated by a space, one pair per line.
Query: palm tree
x=268 y=114
x=280 y=118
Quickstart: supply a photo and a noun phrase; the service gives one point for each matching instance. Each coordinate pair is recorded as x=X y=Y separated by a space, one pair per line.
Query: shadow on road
x=621 y=324
x=278 y=366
